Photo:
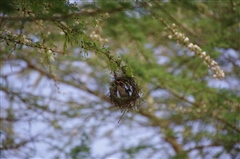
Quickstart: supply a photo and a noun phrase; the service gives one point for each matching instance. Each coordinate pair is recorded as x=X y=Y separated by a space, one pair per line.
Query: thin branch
x=79 y=85
x=201 y=147
x=227 y=123
x=67 y=16
x=163 y=124
x=177 y=22
x=26 y=42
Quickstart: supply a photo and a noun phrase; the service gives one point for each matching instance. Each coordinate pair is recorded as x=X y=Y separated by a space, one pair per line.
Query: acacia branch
x=76 y=85
x=89 y=12
x=163 y=124
x=23 y=41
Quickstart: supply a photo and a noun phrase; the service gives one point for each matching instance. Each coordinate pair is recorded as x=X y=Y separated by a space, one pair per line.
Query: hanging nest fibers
x=132 y=91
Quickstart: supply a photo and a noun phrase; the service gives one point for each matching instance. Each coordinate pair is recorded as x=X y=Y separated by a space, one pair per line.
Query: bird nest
x=124 y=102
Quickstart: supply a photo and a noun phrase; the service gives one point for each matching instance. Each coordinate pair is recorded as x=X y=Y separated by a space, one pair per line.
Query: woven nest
x=128 y=102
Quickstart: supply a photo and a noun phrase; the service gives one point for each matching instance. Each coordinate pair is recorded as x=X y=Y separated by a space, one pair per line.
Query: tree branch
x=88 y=12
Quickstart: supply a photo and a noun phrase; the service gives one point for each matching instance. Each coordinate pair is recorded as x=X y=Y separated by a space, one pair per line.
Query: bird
x=123 y=91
